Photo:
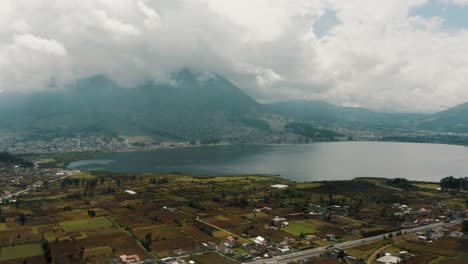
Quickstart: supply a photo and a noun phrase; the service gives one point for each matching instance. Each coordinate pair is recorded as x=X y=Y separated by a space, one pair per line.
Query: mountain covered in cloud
x=190 y=106
x=368 y=53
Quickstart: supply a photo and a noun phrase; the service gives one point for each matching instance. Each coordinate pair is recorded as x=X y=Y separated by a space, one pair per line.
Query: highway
x=301 y=255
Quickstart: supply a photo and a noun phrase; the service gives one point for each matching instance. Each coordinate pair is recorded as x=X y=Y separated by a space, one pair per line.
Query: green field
x=49 y=236
x=83 y=224
x=307 y=185
x=105 y=250
x=302 y=226
x=430 y=186
x=20 y=251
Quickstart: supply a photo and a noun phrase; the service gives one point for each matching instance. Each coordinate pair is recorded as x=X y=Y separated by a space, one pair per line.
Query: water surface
x=304 y=162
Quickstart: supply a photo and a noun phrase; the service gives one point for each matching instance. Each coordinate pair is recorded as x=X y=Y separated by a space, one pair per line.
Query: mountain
x=191 y=106
x=453 y=119
x=323 y=113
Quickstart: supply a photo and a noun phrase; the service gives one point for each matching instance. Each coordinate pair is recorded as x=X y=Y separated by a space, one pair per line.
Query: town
x=55 y=215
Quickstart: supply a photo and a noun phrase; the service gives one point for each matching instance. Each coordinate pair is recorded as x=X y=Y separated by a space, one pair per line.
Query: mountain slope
x=454 y=120
x=323 y=113
x=192 y=107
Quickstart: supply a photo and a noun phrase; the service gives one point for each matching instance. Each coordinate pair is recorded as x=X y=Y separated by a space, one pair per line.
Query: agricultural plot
x=181 y=213
x=85 y=224
x=20 y=251
x=301 y=227
x=211 y=258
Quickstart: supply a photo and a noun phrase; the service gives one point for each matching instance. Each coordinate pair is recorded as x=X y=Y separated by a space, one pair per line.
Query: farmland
x=92 y=218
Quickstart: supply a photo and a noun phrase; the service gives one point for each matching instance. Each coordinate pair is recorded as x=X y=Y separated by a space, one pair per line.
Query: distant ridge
x=191 y=106
x=324 y=113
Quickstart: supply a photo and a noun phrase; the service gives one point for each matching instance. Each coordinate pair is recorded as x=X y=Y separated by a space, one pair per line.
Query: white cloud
x=460 y=2
x=115 y=25
x=377 y=55
x=39 y=44
x=153 y=20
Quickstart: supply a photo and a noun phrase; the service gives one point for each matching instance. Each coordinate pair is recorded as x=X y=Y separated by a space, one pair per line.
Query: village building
x=130 y=258
x=330 y=237
x=388 y=259
x=279 y=186
x=259 y=240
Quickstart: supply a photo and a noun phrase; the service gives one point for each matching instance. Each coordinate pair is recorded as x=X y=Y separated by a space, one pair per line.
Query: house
x=263 y=209
x=230 y=242
x=422 y=238
x=284 y=250
x=130 y=192
x=259 y=240
x=278 y=221
x=130 y=258
x=436 y=233
x=279 y=186
x=456 y=234
x=388 y=260
x=330 y=237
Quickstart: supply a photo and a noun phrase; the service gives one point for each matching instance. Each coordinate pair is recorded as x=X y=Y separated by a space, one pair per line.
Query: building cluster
x=16 y=181
x=423 y=216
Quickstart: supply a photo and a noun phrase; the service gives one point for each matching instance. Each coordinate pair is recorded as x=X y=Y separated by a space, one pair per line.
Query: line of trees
x=9 y=158
x=451 y=182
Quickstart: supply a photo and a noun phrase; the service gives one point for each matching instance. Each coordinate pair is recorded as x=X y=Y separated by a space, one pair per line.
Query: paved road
x=300 y=255
x=16 y=194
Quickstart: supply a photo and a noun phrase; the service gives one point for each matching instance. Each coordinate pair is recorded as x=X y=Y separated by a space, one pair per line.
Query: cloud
x=152 y=17
x=115 y=25
x=32 y=42
x=460 y=2
x=374 y=54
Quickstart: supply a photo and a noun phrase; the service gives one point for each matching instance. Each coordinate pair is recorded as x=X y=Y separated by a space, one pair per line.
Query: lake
x=301 y=162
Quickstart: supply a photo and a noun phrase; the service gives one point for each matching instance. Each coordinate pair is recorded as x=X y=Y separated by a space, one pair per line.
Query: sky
x=390 y=55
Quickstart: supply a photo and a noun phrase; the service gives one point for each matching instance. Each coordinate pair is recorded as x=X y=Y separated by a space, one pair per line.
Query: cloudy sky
x=398 y=55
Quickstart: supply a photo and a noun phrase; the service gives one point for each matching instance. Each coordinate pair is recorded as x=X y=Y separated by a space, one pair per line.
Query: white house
x=259 y=240
x=279 y=186
x=388 y=260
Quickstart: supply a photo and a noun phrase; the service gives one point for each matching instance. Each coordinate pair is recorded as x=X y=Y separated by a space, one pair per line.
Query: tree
x=46 y=250
x=465 y=227
x=91 y=213
x=22 y=219
x=81 y=253
x=453 y=183
x=146 y=242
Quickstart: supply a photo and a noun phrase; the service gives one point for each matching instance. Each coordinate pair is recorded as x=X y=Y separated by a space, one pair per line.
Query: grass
x=455 y=202
x=366 y=250
x=97 y=251
x=302 y=226
x=20 y=251
x=81 y=224
x=49 y=236
x=307 y=185
x=3 y=226
x=430 y=186
x=431 y=194
x=82 y=175
x=257 y=215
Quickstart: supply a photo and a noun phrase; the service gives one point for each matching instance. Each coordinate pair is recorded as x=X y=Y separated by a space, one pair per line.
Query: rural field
x=93 y=218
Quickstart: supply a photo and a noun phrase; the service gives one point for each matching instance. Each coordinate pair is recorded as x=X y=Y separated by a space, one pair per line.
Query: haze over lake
x=304 y=162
